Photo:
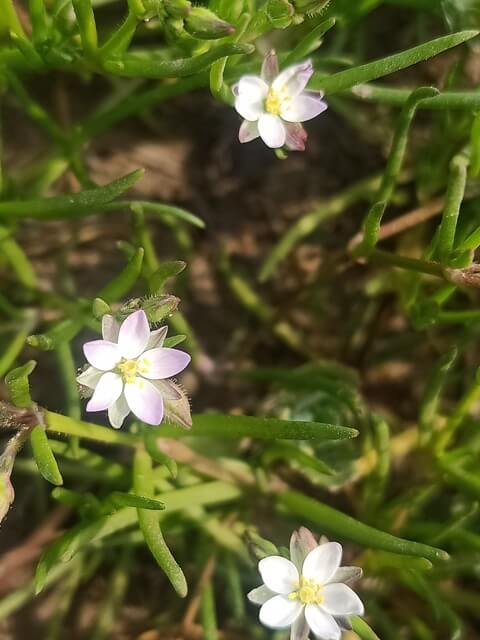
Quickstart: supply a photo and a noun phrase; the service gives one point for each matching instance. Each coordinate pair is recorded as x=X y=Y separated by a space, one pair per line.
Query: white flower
x=128 y=371
x=309 y=592
x=275 y=104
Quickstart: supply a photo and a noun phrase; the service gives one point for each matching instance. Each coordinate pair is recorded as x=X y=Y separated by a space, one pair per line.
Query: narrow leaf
x=223 y=426
x=70 y=205
x=44 y=458
x=336 y=523
x=386 y=66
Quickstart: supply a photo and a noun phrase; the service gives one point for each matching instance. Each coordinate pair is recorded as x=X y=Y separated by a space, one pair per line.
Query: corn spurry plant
x=341 y=393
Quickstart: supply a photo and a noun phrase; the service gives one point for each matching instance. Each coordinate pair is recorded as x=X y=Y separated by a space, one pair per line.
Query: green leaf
x=172 y=341
x=18 y=385
x=154 y=451
x=150 y=526
x=68 y=544
x=310 y=42
x=336 y=523
x=44 y=458
x=165 y=211
x=155 y=66
x=62 y=331
x=362 y=629
x=71 y=205
x=120 y=499
x=120 y=285
x=165 y=271
x=223 y=426
x=386 y=66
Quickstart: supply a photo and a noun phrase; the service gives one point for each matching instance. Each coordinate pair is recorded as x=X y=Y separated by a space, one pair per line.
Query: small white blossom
x=129 y=371
x=274 y=104
x=308 y=592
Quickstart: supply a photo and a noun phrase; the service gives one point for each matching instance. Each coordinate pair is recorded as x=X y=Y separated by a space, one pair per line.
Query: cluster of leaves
x=205 y=486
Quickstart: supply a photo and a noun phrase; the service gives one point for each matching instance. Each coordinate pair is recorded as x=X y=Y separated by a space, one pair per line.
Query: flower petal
x=118 y=411
x=301 y=543
x=340 y=600
x=260 y=595
x=162 y=363
x=248 y=131
x=251 y=87
x=280 y=612
x=294 y=79
x=347 y=575
x=157 y=338
x=322 y=623
x=279 y=574
x=110 y=328
x=272 y=130
x=108 y=389
x=102 y=354
x=270 y=67
x=300 y=628
x=90 y=377
x=134 y=335
x=248 y=109
x=144 y=401
x=296 y=136
x=322 y=562
x=302 y=108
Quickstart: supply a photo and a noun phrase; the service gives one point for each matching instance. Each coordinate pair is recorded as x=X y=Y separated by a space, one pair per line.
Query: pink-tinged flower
x=308 y=592
x=274 y=104
x=129 y=369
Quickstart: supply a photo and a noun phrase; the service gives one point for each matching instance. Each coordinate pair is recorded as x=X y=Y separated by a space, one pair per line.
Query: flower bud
x=156 y=307
x=206 y=25
x=178 y=8
x=280 y=13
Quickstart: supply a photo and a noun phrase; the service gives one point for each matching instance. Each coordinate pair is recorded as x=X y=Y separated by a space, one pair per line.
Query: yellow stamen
x=309 y=592
x=131 y=369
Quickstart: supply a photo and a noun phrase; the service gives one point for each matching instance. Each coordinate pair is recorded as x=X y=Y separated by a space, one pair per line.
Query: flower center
x=130 y=369
x=308 y=592
x=275 y=100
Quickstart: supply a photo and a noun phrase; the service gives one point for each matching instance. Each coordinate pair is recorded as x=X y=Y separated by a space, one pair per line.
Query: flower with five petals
x=274 y=104
x=308 y=592
x=129 y=369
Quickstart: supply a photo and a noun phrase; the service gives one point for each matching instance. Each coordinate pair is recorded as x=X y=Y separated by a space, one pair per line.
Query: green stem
x=9 y=19
x=453 y=201
x=392 y=170
x=208 y=613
